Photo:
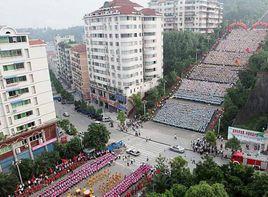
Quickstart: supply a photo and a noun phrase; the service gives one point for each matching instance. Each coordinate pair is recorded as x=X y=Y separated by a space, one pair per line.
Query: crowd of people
x=78 y=175
x=192 y=116
x=37 y=183
x=129 y=181
x=202 y=91
x=202 y=146
x=227 y=58
x=243 y=41
x=208 y=82
x=214 y=73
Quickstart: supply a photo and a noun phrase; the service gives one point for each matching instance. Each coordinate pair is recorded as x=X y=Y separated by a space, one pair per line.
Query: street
x=161 y=138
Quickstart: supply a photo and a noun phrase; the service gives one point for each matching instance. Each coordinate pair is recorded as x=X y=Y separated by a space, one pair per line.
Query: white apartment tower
x=125 y=52
x=191 y=15
x=27 y=107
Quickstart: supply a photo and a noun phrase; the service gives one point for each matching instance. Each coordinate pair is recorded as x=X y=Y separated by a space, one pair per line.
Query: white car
x=106 y=119
x=133 y=152
x=66 y=114
x=177 y=149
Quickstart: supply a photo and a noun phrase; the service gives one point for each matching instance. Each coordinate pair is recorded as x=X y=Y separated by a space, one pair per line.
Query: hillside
x=48 y=34
x=254 y=114
x=249 y=11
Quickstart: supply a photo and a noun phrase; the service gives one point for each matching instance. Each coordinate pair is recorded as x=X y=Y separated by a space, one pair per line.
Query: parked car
x=66 y=114
x=106 y=119
x=177 y=149
x=133 y=152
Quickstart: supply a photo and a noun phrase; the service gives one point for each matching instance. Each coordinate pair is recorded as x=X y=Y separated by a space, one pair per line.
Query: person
x=175 y=137
x=147 y=159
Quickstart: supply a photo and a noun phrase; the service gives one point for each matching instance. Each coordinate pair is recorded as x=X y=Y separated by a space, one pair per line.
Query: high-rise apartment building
x=80 y=72
x=191 y=15
x=125 y=52
x=27 y=113
x=63 y=58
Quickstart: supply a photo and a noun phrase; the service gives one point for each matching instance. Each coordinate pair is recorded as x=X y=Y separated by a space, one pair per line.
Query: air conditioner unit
x=18 y=151
x=40 y=141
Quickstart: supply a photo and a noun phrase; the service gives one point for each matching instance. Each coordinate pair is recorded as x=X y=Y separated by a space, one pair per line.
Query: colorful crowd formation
x=129 y=181
x=187 y=115
x=78 y=175
x=207 y=83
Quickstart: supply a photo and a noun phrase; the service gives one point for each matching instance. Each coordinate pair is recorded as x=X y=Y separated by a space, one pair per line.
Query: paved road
x=162 y=137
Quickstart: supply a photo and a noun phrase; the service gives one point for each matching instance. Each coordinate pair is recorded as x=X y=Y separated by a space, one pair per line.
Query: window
x=16 y=79
x=25 y=126
x=14 y=93
x=10 y=53
x=23 y=115
x=20 y=103
x=13 y=66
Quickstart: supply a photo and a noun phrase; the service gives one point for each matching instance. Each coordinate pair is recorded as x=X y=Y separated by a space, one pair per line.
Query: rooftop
x=125 y=7
x=36 y=42
x=80 y=48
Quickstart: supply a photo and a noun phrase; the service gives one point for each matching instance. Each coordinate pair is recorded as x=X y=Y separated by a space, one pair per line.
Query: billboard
x=246 y=135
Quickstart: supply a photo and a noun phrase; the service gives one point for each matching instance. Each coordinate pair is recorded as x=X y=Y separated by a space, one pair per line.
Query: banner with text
x=246 y=135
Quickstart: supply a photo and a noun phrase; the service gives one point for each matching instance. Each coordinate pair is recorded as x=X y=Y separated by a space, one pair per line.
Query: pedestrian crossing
x=149 y=151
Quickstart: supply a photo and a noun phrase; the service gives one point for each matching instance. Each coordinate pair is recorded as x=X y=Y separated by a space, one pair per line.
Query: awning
x=16 y=101
x=9 y=77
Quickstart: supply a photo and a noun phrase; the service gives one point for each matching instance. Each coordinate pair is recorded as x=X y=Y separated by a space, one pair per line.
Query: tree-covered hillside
x=48 y=34
x=249 y=11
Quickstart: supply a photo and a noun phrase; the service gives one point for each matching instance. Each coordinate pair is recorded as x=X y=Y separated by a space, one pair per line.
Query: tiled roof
x=123 y=3
x=149 y=12
x=80 y=48
x=36 y=42
x=124 y=7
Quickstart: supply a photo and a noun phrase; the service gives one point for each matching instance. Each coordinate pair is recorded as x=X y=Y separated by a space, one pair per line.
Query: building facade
x=27 y=113
x=80 y=71
x=63 y=58
x=201 y=16
x=125 y=52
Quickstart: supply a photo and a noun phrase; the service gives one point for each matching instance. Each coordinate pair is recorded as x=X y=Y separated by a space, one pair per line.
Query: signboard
x=44 y=144
x=5 y=150
x=246 y=135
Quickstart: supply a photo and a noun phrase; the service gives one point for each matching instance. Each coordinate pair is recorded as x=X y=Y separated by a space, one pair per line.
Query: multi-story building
x=61 y=44
x=80 y=72
x=125 y=52
x=27 y=113
x=64 y=63
x=191 y=15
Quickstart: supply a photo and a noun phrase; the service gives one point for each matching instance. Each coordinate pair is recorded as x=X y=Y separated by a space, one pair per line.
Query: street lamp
x=164 y=83
x=219 y=124
x=16 y=163
x=144 y=107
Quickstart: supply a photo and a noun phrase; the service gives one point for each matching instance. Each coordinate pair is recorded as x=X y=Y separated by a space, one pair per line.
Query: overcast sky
x=43 y=13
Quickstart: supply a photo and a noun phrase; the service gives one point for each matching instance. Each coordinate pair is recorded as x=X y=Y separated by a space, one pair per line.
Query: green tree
x=46 y=161
x=26 y=168
x=208 y=171
x=259 y=185
x=211 y=137
x=138 y=103
x=233 y=144
x=180 y=174
x=99 y=111
x=219 y=190
x=236 y=178
x=121 y=117
x=8 y=184
x=161 y=181
x=61 y=149
x=97 y=136
x=202 y=189
x=178 y=190
x=73 y=147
